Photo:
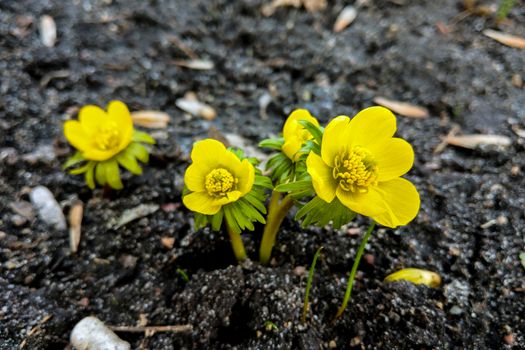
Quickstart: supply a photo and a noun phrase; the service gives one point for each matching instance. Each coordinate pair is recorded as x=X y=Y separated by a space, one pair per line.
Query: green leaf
x=522 y=257
x=128 y=161
x=82 y=169
x=249 y=212
x=73 y=160
x=256 y=202
x=216 y=220
x=230 y=220
x=110 y=168
x=138 y=151
x=90 y=176
x=320 y=213
x=201 y=220
x=100 y=174
x=316 y=131
x=139 y=136
x=294 y=186
x=275 y=144
x=263 y=181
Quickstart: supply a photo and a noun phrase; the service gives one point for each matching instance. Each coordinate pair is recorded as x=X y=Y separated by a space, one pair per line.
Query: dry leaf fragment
x=269 y=9
x=150 y=119
x=403 y=108
x=167 y=242
x=475 y=140
x=196 y=64
x=345 y=18
x=48 y=31
x=75 y=222
x=518 y=131
x=506 y=39
x=314 y=5
x=190 y=104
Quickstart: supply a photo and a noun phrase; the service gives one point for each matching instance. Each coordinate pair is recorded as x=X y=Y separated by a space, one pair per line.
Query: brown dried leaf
x=150 y=119
x=269 y=9
x=518 y=131
x=475 y=140
x=314 y=5
x=506 y=39
x=167 y=242
x=75 y=223
x=191 y=105
x=345 y=18
x=196 y=64
x=403 y=108
x=48 y=31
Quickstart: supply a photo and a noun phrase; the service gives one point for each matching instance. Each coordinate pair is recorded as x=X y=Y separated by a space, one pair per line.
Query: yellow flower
x=361 y=164
x=295 y=135
x=100 y=135
x=216 y=177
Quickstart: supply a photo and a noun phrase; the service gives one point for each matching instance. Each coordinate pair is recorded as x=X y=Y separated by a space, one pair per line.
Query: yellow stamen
x=107 y=137
x=355 y=170
x=219 y=182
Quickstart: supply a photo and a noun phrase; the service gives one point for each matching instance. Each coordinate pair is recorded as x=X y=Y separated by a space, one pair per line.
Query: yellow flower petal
x=91 y=118
x=290 y=126
x=200 y=202
x=232 y=196
x=394 y=158
x=76 y=135
x=98 y=155
x=324 y=184
x=369 y=204
x=402 y=201
x=372 y=126
x=246 y=177
x=334 y=139
x=209 y=152
x=195 y=177
x=291 y=147
x=119 y=113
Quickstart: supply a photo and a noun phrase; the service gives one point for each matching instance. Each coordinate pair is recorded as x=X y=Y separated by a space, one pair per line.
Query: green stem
x=237 y=244
x=276 y=213
x=354 y=270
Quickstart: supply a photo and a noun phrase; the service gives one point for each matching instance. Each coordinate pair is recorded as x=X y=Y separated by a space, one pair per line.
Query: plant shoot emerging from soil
x=288 y=165
x=105 y=140
x=223 y=184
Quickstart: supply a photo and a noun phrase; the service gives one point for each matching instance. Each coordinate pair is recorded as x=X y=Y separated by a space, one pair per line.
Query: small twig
x=444 y=143
x=183 y=47
x=150 y=330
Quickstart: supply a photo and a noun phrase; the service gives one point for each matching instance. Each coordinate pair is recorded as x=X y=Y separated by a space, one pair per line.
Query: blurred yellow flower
x=100 y=135
x=361 y=164
x=104 y=141
x=295 y=135
x=216 y=177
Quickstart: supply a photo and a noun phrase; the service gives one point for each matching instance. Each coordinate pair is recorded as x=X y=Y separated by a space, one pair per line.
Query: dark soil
x=126 y=50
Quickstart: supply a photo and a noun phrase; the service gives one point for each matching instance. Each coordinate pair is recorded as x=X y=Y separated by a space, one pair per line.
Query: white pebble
x=91 y=334
x=48 y=208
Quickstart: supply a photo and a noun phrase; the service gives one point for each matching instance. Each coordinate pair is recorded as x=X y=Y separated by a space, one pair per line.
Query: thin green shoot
x=183 y=274
x=309 y=284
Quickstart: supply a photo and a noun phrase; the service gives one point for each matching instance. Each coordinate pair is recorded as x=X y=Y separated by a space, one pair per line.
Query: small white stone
x=48 y=208
x=91 y=334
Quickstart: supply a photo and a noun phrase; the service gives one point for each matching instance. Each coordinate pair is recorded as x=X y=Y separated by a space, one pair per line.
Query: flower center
x=355 y=170
x=219 y=182
x=107 y=136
